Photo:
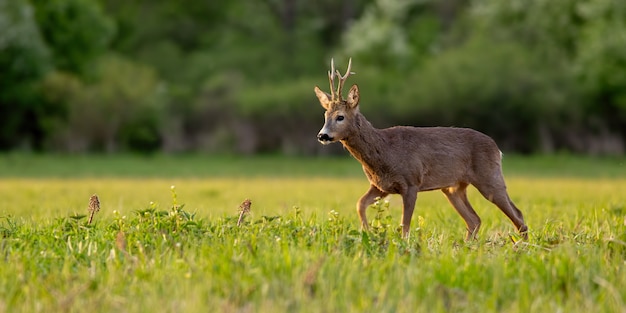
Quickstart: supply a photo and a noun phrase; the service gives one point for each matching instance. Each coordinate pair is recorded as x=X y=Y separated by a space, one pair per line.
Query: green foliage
x=278 y=99
x=494 y=87
x=539 y=76
x=378 y=30
x=550 y=28
x=603 y=51
x=38 y=37
x=24 y=59
x=120 y=110
x=76 y=31
x=579 y=40
x=388 y=35
x=25 y=56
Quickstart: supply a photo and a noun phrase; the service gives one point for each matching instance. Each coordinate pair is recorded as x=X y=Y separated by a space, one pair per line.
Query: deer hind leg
x=409 y=196
x=496 y=193
x=458 y=198
x=366 y=200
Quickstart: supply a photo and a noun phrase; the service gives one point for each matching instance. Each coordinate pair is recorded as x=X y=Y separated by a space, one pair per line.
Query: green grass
x=189 y=166
x=157 y=249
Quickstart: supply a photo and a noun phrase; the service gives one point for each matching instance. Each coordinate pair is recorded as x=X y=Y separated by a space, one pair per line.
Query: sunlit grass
x=541 y=199
x=154 y=248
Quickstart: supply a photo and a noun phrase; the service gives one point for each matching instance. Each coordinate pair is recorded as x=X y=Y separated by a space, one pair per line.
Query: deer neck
x=365 y=143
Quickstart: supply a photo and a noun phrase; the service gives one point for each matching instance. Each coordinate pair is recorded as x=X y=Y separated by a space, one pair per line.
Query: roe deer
x=405 y=160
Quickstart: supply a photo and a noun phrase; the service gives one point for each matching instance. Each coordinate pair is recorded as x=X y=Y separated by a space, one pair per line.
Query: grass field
x=166 y=238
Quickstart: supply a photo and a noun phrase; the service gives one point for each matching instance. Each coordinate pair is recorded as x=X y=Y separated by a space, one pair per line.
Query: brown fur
x=405 y=160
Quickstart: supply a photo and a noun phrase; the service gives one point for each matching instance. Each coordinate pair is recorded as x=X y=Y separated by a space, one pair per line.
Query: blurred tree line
x=237 y=76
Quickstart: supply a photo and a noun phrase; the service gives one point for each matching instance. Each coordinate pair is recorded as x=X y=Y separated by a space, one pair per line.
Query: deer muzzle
x=324 y=138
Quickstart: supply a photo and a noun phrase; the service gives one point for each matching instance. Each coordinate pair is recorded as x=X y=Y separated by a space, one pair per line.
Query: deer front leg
x=366 y=200
x=408 y=205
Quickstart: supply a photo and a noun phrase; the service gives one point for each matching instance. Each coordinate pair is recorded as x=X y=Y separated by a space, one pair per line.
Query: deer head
x=340 y=113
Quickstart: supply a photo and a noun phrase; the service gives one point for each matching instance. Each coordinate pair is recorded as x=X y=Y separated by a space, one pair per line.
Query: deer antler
x=342 y=79
x=336 y=95
x=331 y=78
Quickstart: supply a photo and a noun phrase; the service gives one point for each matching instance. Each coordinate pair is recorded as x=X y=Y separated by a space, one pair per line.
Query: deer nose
x=323 y=137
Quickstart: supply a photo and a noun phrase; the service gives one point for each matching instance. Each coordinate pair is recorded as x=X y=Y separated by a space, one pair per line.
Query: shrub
x=499 y=88
x=120 y=111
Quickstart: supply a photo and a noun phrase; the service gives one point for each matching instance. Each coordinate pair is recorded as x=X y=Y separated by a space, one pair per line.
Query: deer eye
x=340 y=118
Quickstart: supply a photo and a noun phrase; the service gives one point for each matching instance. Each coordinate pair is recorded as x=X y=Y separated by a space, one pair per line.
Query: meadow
x=167 y=239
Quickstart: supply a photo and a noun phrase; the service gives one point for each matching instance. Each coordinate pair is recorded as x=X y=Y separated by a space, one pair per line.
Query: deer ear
x=323 y=97
x=353 y=97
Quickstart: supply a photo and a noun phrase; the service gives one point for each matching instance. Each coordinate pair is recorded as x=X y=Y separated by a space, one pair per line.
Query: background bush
x=178 y=76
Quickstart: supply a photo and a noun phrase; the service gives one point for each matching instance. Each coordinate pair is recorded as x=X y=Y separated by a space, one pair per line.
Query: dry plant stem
x=244 y=208
x=94 y=207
